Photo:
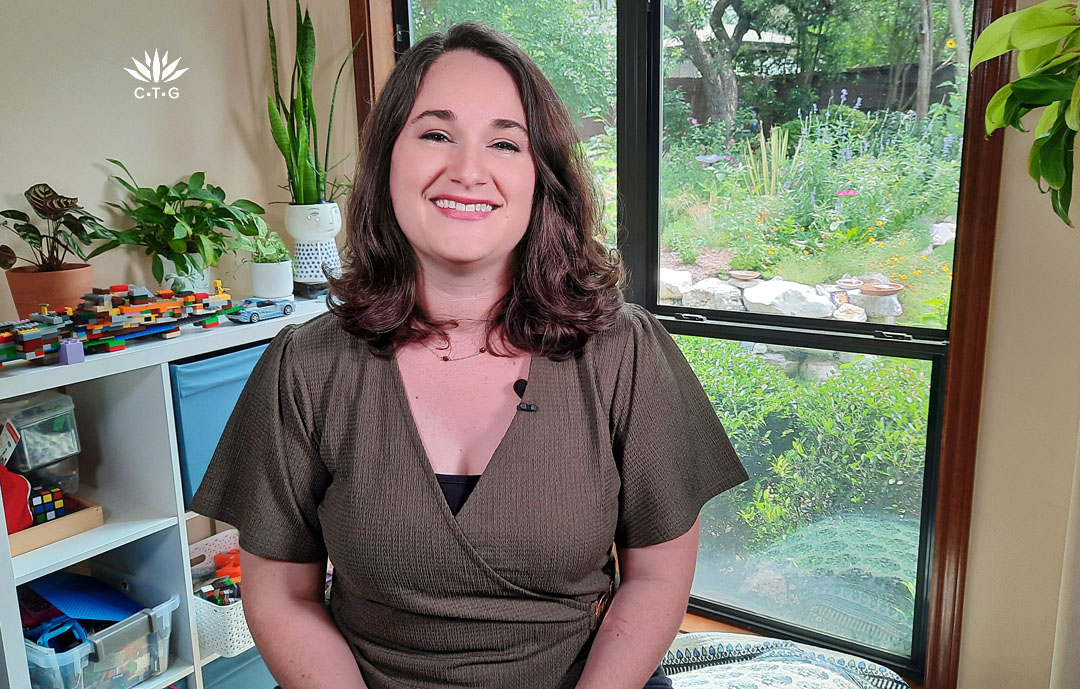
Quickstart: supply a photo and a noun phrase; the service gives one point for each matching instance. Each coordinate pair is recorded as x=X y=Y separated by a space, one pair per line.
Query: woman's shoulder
x=631 y=320
x=321 y=348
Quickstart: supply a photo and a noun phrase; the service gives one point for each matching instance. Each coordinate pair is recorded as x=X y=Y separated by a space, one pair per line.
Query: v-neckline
x=402 y=397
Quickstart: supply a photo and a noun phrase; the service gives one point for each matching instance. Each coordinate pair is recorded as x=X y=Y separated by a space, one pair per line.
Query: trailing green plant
x=266 y=247
x=1046 y=39
x=185 y=219
x=294 y=123
x=68 y=229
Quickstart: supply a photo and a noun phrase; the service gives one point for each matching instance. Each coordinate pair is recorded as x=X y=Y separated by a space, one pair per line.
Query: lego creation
x=107 y=318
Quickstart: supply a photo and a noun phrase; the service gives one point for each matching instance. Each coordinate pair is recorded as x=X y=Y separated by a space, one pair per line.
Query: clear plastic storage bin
x=118 y=657
x=46 y=424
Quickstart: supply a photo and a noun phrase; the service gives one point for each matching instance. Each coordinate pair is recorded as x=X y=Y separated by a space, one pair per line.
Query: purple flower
x=843 y=96
x=858 y=103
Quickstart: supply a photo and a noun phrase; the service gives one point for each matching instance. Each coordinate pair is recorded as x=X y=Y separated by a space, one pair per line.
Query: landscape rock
x=787 y=298
x=674 y=282
x=713 y=293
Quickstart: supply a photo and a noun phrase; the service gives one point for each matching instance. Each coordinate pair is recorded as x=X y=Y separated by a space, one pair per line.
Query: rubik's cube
x=46 y=504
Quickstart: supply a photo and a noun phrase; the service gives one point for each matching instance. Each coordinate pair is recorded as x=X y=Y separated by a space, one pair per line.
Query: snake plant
x=293 y=122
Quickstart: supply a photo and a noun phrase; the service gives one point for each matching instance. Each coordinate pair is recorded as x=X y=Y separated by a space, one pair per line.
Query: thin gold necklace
x=447 y=357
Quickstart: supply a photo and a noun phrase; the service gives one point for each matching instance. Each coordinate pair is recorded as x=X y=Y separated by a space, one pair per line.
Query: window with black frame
x=787 y=206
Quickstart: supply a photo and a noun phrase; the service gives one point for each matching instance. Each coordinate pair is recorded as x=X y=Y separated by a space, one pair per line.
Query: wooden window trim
x=973 y=271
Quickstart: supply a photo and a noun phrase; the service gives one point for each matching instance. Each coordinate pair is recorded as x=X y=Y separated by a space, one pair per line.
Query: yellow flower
x=950 y=43
x=901 y=243
x=771 y=251
x=945 y=267
x=917 y=271
x=903 y=276
x=805 y=251
x=879 y=223
x=872 y=240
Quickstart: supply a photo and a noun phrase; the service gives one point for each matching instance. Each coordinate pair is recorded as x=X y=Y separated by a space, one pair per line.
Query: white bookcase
x=129 y=464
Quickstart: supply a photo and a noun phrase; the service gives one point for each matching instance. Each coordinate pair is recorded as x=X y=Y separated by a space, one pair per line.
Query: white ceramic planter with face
x=272 y=280
x=314 y=227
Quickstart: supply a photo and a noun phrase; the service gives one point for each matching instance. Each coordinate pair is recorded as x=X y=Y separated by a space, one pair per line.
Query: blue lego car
x=254 y=309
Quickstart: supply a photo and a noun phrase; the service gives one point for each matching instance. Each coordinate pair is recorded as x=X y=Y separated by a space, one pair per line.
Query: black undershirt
x=458 y=487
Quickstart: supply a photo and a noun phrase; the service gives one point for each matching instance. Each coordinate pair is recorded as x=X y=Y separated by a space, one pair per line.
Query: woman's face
x=461 y=172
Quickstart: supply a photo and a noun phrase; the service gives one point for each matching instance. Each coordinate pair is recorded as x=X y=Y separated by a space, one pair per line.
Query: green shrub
x=854 y=442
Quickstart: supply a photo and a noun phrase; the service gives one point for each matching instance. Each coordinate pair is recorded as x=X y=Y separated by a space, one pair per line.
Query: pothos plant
x=188 y=223
x=1046 y=39
x=68 y=229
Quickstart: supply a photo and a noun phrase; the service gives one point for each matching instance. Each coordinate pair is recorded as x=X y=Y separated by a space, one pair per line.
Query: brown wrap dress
x=322 y=457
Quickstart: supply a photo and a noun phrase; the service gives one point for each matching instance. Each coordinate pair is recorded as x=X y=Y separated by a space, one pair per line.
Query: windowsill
x=694 y=623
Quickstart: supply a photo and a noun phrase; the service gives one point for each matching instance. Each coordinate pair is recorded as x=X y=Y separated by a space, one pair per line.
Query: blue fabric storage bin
x=204 y=394
x=245 y=671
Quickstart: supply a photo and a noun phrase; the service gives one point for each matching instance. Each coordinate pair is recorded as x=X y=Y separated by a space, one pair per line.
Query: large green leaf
x=333 y=101
x=15 y=215
x=29 y=234
x=1039 y=25
x=273 y=60
x=157 y=268
x=305 y=49
x=1051 y=155
x=196 y=181
x=281 y=137
x=1043 y=89
x=1072 y=113
x=1047 y=119
x=1030 y=60
x=1061 y=198
x=995 y=109
x=248 y=206
x=994 y=40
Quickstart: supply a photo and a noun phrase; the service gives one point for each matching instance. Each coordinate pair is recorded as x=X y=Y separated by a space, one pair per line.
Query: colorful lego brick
x=71 y=352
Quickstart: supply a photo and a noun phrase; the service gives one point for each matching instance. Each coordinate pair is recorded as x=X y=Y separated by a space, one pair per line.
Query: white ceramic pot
x=272 y=280
x=313 y=222
x=194 y=281
x=314 y=227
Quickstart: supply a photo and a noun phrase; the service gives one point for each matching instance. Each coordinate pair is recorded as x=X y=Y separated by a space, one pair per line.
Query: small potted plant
x=313 y=218
x=271 y=266
x=50 y=278
x=186 y=227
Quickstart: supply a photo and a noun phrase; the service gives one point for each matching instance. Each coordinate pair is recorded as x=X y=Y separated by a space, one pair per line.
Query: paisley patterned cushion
x=738 y=661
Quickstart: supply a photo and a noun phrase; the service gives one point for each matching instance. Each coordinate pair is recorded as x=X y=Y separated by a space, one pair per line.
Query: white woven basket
x=222 y=628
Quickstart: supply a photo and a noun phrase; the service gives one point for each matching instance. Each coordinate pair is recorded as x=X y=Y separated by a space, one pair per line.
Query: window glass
x=825 y=534
x=811 y=157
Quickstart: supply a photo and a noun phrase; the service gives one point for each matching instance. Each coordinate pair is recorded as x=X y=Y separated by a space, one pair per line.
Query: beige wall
x=1028 y=440
x=68 y=105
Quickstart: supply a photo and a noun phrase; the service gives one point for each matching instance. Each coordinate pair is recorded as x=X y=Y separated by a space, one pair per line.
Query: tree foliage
x=573 y=41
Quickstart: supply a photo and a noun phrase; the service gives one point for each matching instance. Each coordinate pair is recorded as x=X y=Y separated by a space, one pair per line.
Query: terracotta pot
x=30 y=288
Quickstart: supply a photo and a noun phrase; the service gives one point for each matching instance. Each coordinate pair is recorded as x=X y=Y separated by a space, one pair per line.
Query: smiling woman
x=462 y=174
x=478 y=423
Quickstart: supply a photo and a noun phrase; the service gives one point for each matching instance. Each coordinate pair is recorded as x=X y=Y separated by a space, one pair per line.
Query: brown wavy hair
x=565 y=284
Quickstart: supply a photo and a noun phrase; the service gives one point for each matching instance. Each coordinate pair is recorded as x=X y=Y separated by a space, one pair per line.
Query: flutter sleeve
x=266 y=477
x=671 y=448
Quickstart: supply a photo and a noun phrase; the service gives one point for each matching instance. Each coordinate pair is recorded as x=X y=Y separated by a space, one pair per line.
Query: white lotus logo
x=157 y=70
